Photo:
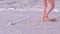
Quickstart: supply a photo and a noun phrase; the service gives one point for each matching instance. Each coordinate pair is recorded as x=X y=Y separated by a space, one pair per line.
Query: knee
x=52 y=6
x=45 y=7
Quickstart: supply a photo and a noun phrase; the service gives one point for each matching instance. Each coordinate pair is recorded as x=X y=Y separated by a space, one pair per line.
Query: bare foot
x=43 y=18
x=54 y=19
x=46 y=18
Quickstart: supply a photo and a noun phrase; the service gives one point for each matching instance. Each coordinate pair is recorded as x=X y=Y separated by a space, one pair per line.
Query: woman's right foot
x=48 y=19
x=44 y=18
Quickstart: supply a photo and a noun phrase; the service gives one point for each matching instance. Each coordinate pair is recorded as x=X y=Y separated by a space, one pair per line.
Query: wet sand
x=27 y=22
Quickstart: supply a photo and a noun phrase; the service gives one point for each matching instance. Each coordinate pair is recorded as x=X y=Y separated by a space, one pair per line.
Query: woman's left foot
x=54 y=19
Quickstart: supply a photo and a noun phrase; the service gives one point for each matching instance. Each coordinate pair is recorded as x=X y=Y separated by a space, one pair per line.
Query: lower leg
x=44 y=14
x=44 y=9
x=50 y=9
x=52 y=4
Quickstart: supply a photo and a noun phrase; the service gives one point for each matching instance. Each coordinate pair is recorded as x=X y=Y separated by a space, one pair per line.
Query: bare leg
x=52 y=5
x=44 y=9
x=45 y=14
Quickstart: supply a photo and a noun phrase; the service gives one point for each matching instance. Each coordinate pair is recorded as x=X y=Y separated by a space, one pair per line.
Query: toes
x=53 y=19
